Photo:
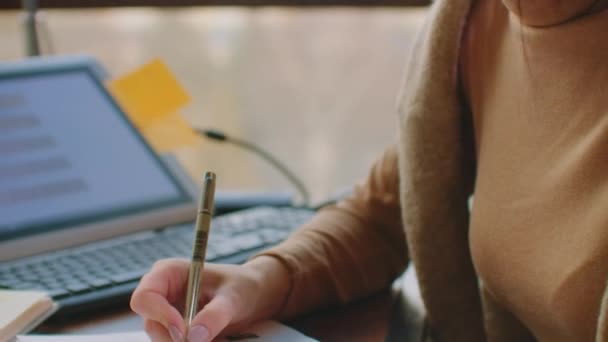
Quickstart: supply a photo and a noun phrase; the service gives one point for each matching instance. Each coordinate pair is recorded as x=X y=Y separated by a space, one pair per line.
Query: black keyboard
x=105 y=273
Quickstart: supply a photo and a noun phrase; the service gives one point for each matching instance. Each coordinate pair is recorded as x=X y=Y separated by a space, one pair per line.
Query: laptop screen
x=69 y=156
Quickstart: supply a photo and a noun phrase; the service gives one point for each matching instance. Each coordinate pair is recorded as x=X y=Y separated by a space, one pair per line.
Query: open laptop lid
x=73 y=169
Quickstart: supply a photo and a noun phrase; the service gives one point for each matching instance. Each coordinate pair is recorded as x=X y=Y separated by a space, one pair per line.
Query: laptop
x=73 y=169
x=78 y=183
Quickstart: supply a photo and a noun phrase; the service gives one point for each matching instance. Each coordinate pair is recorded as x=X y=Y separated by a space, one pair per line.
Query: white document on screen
x=268 y=331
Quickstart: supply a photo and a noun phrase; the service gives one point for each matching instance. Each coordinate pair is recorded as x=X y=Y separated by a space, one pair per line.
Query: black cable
x=46 y=38
x=32 y=43
x=220 y=136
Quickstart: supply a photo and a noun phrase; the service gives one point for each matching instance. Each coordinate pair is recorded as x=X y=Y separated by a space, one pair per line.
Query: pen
x=203 y=221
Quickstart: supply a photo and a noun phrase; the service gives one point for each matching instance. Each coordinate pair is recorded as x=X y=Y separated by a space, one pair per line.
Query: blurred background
x=312 y=82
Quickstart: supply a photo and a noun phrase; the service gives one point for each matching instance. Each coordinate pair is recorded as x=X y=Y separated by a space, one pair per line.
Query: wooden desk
x=366 y=320
x=394 y=315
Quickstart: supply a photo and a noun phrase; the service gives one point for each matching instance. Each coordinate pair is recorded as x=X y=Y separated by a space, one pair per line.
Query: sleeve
x=350 y=249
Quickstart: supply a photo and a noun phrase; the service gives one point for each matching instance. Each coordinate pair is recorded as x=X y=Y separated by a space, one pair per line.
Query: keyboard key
x=77 y=287
x=9 y=283
x=26 y=286
x=53 y=285
x=58 y=293
x=248 y=241
x=271 y=236
x=98 y=282
x=128 y=276
x=225 y=248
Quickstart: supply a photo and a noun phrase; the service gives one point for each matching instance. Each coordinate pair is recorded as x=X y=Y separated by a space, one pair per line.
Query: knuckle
x=163 y=263
x=136 y=301
x=166 y=264
x=154 y=332
x=149 y=326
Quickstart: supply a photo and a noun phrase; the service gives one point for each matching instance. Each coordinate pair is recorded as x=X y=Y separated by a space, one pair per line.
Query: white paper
x=268 y=331
x=134 y=336
x=272 y=331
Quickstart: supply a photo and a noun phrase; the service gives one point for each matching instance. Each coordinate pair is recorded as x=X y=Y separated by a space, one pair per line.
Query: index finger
x=212 y=319
x=158 y=290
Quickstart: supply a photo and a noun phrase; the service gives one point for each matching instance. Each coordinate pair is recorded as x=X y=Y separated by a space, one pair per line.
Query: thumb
x=212 y=319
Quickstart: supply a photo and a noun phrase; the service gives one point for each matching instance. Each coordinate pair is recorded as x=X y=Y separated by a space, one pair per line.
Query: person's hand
x=231 y=297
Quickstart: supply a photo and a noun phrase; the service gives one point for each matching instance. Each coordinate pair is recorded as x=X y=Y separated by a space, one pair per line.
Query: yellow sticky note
x=151 y=97
x=170 y=132
x=149 y=93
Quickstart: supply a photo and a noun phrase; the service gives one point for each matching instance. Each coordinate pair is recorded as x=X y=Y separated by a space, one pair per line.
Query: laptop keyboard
x=106 y=272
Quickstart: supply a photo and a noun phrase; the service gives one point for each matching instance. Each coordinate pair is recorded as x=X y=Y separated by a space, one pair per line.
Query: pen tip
x=208 y=176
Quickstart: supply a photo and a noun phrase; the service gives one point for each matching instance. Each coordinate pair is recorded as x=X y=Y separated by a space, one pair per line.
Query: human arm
x=348 y=250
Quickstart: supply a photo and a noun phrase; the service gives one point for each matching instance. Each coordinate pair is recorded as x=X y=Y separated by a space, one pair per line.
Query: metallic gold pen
x=203 y=222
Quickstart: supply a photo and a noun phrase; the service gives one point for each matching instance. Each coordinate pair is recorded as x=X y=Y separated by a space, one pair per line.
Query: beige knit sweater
x=361 y=244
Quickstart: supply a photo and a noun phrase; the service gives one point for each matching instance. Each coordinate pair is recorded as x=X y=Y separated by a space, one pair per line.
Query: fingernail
x=176 y=336
x=198 y=333
x=154 y=336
